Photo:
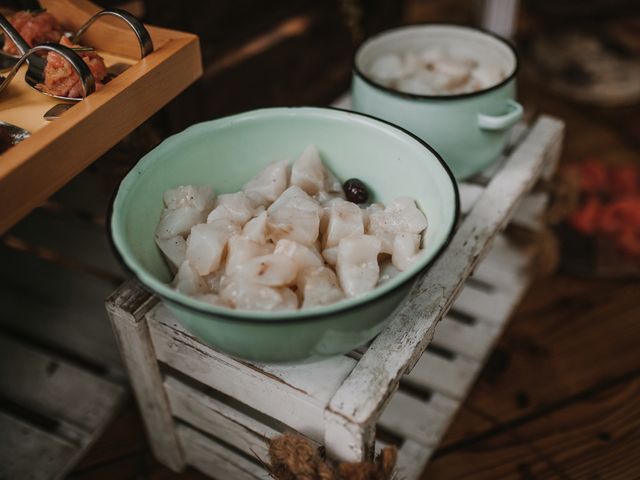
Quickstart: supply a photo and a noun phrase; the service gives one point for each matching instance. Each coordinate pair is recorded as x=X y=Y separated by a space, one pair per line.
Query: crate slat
x=58 y=307
x=471 y=341
x=55 y=388
x=417 y=419
x=296 y=396
x=219 y=419
x=27 y=452
x=216 y=460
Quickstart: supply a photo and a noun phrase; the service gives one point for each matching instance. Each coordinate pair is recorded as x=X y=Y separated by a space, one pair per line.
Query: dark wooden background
x=560 y=395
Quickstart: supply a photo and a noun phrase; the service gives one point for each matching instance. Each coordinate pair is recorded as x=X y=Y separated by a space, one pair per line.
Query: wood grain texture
x=127 y=307
x=594 y=436
x=34 y=169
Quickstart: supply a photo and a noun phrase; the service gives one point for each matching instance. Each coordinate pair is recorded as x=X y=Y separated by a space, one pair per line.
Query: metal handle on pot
x=144 y=38
x=501 y=122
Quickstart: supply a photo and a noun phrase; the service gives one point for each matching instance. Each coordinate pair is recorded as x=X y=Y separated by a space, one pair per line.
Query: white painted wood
x=367 y=389
x=490 y=307
x=55 y=388
x=347 y=441
x=27 y=452
x=295 y=396
x=450 y=377
x=412 y=458
x=127 y=307
x=469 y=195
x=215 y=460
x=219 y=419
x=470 y=341
x=423 y=421
x=530 y=212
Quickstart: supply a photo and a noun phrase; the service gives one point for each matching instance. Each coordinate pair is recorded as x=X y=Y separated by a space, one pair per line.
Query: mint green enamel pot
x=226 y=153
x=469 y=130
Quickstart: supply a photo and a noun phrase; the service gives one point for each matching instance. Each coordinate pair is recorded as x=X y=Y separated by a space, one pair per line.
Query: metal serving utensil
x=138 y=28
x=35 y=73
x=11 y=135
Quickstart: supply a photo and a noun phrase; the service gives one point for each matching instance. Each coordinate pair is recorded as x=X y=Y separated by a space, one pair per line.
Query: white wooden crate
x=205 y=409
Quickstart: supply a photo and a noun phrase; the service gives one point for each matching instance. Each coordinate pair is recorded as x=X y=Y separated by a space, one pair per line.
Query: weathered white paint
x=215 y=460
x=219 y=419
x=127 y=307
x=296 y=396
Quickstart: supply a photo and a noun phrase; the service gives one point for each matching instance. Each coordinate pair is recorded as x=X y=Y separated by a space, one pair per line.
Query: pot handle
x=501 y=122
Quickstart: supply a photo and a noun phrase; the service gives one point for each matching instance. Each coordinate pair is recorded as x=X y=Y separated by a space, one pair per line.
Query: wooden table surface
x=558 y=397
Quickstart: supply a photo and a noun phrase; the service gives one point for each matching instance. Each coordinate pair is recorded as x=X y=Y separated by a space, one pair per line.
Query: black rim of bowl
x=311 y=316
x=414 y=96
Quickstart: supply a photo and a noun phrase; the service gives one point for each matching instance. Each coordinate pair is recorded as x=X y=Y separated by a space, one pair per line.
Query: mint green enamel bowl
x=226 y=153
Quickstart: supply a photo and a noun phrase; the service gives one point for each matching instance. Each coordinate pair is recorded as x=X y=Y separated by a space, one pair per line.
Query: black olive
x=355 y=190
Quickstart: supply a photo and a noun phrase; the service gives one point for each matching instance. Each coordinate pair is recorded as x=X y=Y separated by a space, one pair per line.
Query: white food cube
x=256 y=228
x=268 y=184
x=486 y=77
x=303 y=255
x=432 y=55
x=402 y=215
x=240 y=249
x=377 y=227
x=273 y=270
x=235 y=206
x=212 y=299
x=415 y=85
x=451 y=74
x=318 y=286
x=244 y=295
x=206 y=244
x=344 y=219
x=174 y=250
x=200 y=197
x=178 y=221
x=294 y=216
x=188 y=281
x=357 y=264
x=405 y=250
x=330 y=255
x=387 y=67
x=308 y=172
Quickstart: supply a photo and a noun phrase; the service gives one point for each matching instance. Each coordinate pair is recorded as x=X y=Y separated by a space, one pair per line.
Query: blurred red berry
x=594 y=177
x=620 y=215
x=629 y=242
x=624 y=180
x=585 y=219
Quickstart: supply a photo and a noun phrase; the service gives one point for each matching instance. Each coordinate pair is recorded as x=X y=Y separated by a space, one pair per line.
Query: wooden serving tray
x=57 y=151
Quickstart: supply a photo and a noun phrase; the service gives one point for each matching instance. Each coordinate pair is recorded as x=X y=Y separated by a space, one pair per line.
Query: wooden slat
x=469 y=195
x=452 y=377
x=59 y=307
x=295 y=396
x=471 y=341
x=412 y=458
x=215 y=460
x=127 y=307
x=491 y=307
x=56 y=389
x=372 y=381
x=417 y=419
x=219 y=419
x=72 y=238
x=29 y=453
